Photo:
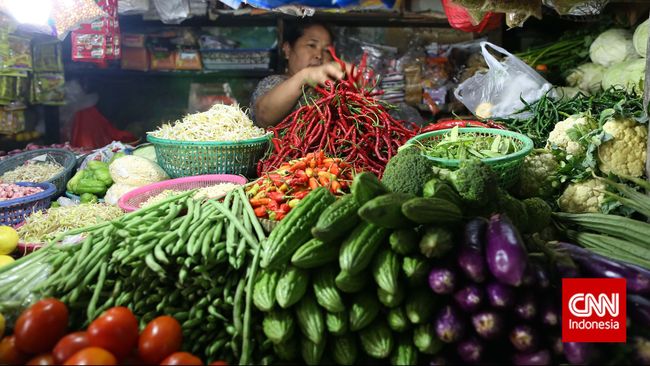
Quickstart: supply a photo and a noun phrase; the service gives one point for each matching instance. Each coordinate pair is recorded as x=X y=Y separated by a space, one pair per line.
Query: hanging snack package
x=46 y=56
x=48 y=88
x=20 y=55
x=88 y=47
x=499 y=91
x=68 y=15
x=577 y=7
x=474 y=8
x=517 y=11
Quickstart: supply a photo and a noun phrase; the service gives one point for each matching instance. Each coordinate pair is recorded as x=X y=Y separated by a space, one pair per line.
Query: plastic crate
x=236 y=59
x=14 y=211
x=506 y=167
x=188 y=158
x=66 y=158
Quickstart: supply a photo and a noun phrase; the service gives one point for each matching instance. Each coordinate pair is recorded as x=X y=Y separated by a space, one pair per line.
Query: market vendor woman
x=309 y=63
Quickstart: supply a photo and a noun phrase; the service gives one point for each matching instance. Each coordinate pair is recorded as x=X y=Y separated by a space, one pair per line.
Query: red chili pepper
x=313 y=183
x=451 y=124
x=260 y=211
x=285 y=208
x=276 y=196
x=255 y=202
x=302 y=194
x=279 y=215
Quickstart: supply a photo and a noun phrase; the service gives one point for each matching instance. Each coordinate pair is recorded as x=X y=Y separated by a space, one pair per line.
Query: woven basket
x=13 y=212
x=506 y=167
x=189 y=158
x=66 y=158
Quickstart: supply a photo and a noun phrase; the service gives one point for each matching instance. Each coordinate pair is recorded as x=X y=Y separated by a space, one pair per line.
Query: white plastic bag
x=499 y=91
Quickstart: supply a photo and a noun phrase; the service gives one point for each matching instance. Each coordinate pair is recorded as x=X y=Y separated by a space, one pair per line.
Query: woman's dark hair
x=295 y=30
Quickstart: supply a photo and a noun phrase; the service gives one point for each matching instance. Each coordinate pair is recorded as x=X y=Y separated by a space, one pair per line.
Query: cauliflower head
x=625 y=153
x=583 y=197
x=538 y=176
x=559 y=137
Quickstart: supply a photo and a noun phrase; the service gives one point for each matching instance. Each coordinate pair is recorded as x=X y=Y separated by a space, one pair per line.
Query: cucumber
x=312 y=353
x=291 y=286
x=367 y=186
x=405 y=352
x=337 y=323
x=431 y=211
x=350 y=283
x=295 y=229
x=315 y=253
x=327 y=294
x=311 y=319
x=344 y=350
x=385 y=270
x=264 y=290
x=420 y=305
x=358 y=249
x=391 y=300
x=377 y=340
x=397 y=320
x=363 y=311
x=404 y=241
x=386 y=211
x=337 y=220
x=278 y=326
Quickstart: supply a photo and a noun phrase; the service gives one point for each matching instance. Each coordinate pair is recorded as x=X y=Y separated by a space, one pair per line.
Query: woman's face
x=308 y=50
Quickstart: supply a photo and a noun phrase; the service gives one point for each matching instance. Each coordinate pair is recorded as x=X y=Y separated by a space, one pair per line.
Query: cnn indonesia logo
x=593 y=310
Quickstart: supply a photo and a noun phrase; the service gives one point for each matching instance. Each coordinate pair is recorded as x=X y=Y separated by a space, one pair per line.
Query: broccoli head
x=408 y=171
x=474 y=181
x=539 y=214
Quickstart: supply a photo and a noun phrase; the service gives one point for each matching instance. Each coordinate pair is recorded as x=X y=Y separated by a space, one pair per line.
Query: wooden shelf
x=359 y=19
x=73 y=70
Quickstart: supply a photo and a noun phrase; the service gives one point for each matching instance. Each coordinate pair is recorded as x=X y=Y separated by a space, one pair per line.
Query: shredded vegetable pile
x=32 y=171
x=43 y=226
x=461 y=146
x=215 y=191
x=219 y=123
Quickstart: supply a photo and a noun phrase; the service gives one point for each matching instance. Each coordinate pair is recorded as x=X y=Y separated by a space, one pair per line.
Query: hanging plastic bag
x=172 y=11
x=68 y=15
x=460 y=18
x=126 y=7
x=499 y=91
x=577 y=7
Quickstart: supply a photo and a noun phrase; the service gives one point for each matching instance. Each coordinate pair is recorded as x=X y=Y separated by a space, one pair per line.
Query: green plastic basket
x=506 y=167
x=188 y=158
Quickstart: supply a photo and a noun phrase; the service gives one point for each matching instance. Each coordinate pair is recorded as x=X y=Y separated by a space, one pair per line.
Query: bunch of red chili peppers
x=346 y=122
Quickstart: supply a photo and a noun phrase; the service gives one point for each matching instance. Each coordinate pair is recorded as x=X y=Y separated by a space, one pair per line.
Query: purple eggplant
x=541 y=276
x=442 y=280
x=469 y=298
x=470 y=350
x=505 y=253
x=529 y=276
x=542 y=357
x=637 y=278
x=578 y=353
x=642 y=350
x=500 y=295
x=557 y=346
x=638 y=309
x=524 y=338
x=488 y=324
x=526 y=308
x=471 y=258
x=549 y=314
x=450 y=326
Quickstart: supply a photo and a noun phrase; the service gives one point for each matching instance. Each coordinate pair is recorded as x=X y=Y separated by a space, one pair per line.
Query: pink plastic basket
x=134 y=199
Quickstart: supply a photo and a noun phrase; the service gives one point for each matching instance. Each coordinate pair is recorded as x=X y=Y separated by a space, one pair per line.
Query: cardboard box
x=162 y=59
x=134 y=39
x=188 y=60
x=135 y=58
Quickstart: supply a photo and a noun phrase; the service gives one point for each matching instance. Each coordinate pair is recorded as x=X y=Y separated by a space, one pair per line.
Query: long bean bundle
x=346 y=122
x=180 y=257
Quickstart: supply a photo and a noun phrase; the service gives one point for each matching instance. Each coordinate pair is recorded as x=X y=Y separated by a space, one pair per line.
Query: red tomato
x=182 y=358
x=92 y=356
x=219 y=363
x=161 y=337
x=44 y=359
x=69 y=345
x=9 y=353
x=40 y=326
x=116 y=331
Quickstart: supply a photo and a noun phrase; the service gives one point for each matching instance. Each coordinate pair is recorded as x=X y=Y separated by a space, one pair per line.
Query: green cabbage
x=629 y=74
x=611 y=47
x=586 y=77
x=640 y=38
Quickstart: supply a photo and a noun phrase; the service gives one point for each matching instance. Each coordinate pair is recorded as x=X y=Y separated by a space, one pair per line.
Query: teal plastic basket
x=189 y=158
x=506 y=167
